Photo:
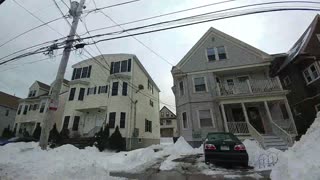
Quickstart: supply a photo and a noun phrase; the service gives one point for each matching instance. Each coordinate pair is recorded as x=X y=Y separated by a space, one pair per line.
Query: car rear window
x=221 y=137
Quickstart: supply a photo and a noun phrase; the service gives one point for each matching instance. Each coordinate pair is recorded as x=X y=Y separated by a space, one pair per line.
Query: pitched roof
x=9 y=100
x=300 y=45
x=221 y=34
x=43 y=85
x=165 y=107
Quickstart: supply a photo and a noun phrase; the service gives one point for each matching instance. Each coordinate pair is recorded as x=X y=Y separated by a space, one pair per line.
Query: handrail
x=93 y=131
x=282 y=133
x=238 y=127
x=256 y=134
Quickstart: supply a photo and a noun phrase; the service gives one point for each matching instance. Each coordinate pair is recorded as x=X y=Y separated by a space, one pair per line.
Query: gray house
x=8 y=108
x=223 y=85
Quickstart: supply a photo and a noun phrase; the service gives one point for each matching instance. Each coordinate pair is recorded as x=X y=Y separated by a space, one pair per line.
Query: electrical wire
x=110 y=6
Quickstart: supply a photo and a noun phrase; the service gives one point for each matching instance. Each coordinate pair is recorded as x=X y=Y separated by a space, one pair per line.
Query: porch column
x=218 y=90
x=286 y=103
x=245 y=112
x=268 y=110
x=249 y=86
x=224 y=118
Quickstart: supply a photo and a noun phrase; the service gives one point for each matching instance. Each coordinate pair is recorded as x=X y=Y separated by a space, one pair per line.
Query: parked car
x=225 y=148
x=17 y=139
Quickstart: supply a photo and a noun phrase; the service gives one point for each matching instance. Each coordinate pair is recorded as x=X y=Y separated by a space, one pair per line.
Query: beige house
x=168 y=123
x=222 y=85
x=31 y=110
x=114 y=89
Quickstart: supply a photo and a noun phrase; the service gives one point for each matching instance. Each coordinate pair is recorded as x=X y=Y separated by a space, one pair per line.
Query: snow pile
x=166 y=140
x=260 y=158
x=302 y=161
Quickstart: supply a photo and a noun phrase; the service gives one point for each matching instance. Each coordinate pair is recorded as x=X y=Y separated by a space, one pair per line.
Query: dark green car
x=224 y=148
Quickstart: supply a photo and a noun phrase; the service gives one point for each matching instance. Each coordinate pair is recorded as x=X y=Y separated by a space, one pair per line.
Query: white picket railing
x=287 y=125
x=255 y=134
x=277 y=130
x=238 y=127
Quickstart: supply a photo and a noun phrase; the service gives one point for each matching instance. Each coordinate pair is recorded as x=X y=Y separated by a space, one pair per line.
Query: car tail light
x=210 y=147
x=239 y=147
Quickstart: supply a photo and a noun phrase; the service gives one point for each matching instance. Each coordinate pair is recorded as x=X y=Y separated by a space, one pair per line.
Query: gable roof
x=43 y=85
x=165 y=107
x=300 y=46
x=8 y=100
x=221 y=34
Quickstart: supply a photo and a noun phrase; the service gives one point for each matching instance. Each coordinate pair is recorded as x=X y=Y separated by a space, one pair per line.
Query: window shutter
x=111 y=68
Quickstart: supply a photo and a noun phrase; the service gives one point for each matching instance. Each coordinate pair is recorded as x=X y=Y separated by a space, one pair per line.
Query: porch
x=260 y=118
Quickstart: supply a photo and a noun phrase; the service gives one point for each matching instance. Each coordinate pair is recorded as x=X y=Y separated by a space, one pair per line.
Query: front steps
x=272 y=141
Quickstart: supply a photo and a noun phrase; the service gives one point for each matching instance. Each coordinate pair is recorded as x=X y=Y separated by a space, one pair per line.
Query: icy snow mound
x=258 y=157
x=180 y=147
x=302 y=160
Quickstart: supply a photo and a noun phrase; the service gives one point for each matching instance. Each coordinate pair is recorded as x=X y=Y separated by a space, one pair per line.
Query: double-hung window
x=112 y=119
x=72 y=94
x=311 y=73
x=81 y=94
x=148 y=126
x=216 y=53
x=184 y=120
x=115 y=86
x=124 y=89
x=205 y=118
x=199 y=84
x=122 y=119
x=181 y=88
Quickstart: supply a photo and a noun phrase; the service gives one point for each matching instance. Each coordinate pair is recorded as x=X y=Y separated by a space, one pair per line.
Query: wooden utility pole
x=75 y=12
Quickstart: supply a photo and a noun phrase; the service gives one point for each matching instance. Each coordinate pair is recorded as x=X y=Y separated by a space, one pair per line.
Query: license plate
x=224 y=148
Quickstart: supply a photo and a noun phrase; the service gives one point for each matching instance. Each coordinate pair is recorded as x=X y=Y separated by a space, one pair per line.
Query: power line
x=110 y=6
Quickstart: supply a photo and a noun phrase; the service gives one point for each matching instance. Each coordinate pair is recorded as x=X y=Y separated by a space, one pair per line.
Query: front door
x=255 y=119
x=237 y=114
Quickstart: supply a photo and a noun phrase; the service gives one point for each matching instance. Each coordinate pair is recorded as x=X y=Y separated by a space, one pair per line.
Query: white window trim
x=216 y=53
x=188 y=124
x=308 y=68
x=285 y=82
x=213 y=121
x=184 y=88
x=315 y=106
x=205 y=82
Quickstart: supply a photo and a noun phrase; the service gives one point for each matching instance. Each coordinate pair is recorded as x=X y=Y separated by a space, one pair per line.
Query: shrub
x=102 y=138
x=37 y=132
x=54 y=136
x=117 y=142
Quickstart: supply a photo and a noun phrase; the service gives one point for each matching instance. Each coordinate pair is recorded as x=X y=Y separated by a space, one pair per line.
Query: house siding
x=6 y=121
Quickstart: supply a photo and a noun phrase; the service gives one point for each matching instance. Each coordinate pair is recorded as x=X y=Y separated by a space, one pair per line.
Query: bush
x=5 y=133
x=102 y=138
x=117 y=142
x=25 y=133
x=54 y=136
x=37 y=132
x=65 y=134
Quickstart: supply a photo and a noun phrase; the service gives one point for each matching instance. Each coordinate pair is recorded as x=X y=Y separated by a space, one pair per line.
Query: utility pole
x=75 y=12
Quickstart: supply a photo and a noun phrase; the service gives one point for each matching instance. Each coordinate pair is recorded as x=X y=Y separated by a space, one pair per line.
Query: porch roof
x=259 y=97
x=97 y=108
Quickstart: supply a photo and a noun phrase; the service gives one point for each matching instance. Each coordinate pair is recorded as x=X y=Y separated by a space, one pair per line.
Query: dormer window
x=216 y=53
x=32 y=93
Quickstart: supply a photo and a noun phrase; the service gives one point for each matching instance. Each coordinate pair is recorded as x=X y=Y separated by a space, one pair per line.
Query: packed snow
x=302 y=160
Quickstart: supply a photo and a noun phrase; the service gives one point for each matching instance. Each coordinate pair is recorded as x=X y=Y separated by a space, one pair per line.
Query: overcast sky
x=271 y=32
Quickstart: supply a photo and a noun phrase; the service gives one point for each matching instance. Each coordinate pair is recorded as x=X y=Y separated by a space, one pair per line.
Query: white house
x=31 y=110
x=223 y=85
x=168 y=123
x=114 y=89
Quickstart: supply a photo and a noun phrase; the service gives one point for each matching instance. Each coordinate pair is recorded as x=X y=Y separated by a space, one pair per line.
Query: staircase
x=79 y=142
x=272 y=141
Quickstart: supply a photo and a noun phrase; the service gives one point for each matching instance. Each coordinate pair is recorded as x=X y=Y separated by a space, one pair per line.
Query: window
x=199 y=84
x=286 y=81
x=168 y=122
x=84 y=72
x=114 y=88
x=148 y=126
x=34 y=93
x=19 y=109
x=161 y=122
x=211 y=54
x=42 y=107
x=75 y=125
x=124 y=89
x=7 y=112
x=205 y=118
x=120 y=66
x=35 y=107
x=81 y=94
x=91 y=90
x=162 y=114
x=25 y=110
x=66 y=122
x=112 y=119
x=221 y=53
x=30 y=107
x=150 y=86
x=317 y=107
x=181 y=88
x=103 y=89
x=122 y=119
x=151 y=103
x=72 y=93
x=167 y=114
x=184 y=120
x=311 y=73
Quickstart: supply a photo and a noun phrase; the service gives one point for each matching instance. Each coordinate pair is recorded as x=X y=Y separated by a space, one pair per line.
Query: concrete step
x=275 y=144
x=282 y=148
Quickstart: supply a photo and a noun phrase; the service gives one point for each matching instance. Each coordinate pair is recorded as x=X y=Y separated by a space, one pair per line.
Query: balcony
x=247 y=87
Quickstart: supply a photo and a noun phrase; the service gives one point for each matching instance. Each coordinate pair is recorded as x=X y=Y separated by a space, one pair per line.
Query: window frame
x=183 y=89
x=72 y=94
x=148 y=126
x=187 y=120
x=122 y=120
x=205 y=83
x=19 y=109
x=82 y=92
x=76 y=128
x=114 y=123
x=225 y=51
x=151 y=103
x=66 y=118
x=308 y=70
x=215 y=54
x=25 y=109
x=212 y=118
x=124 y=88
x=42 y=108
x=115 y=91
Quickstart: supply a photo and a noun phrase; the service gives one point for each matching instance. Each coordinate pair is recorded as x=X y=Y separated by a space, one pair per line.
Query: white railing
x=277 y=130
x=255 y=134
x=249 y=87
x=93 y=131
x=238 y=127
x=287 y=125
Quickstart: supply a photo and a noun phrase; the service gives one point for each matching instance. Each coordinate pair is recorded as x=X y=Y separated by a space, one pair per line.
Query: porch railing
x=238 y=127
x=287 y=125
x=249 y=87
x=255 y=134
x=93 y=131
x=277 y=130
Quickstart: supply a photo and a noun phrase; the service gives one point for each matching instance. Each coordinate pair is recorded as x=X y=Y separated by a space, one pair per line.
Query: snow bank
x=166 y=141
x=302 y=160
x=260 y=158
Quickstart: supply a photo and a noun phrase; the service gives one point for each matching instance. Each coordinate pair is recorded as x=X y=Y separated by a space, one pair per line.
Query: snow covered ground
x=302 y=160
